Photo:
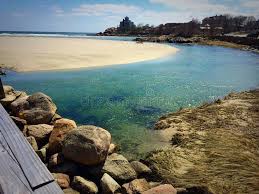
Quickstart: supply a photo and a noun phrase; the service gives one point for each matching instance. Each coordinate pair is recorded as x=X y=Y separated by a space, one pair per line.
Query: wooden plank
x=51 y=187
x=12 y=179
x=34 y=170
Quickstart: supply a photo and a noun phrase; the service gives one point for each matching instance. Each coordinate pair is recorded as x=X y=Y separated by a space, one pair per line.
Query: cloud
x=105 y=9
x=58 y=11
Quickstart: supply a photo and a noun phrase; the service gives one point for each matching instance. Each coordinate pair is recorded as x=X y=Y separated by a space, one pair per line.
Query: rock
x=201 y=189
x=135 y=186
x=55 y=160
x=7 y=100
x=87 y=145
x=154 y=184
x=42 y=153
x=84 y=186
x=140 y=168
x=55 y=118
x=118 y=167
x=41 y=133
x=62 y=180
x=19 y=122
x=8 y=89
x=109 y=185
x=33 y=142
x=61 y=128
x=181 y=190
x=35 y=109
x=67 y=167
x=70 y=191
x=162 y=189
x=112 y=148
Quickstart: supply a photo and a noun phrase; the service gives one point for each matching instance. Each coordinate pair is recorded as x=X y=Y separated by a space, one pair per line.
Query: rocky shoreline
x=199 y=40
x=208 y=144
x=82 y=159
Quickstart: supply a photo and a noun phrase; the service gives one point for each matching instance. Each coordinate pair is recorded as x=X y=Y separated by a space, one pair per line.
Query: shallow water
x=128 y=99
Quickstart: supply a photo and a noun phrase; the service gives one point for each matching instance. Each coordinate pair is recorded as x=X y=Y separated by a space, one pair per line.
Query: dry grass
x=220 y=146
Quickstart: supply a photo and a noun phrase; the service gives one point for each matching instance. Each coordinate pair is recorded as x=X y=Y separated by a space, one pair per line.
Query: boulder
x=112 y=148
x=84 y=186
x=32 y=142
x=70 y=191
x=135 y=186
x=35 y=109
x=162 y=189
x=109 y=185
x=87 y=145
x=140 y=168
x=8 y=89
x=118 y=167
x=42 y=153
x=67 y=167
x=61 y=128
x=55 y=118
x=41 y=133
x=62 y=180
x=7 y=100
x=19 y=122
x=56 y=160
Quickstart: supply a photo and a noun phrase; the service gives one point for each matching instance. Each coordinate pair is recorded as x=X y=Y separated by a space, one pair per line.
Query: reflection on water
x=128 y=99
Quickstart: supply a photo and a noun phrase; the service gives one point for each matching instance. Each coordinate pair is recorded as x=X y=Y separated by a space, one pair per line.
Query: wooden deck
x=21 y=170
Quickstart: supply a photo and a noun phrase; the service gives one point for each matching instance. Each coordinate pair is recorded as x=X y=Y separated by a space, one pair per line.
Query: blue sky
x=97 y=15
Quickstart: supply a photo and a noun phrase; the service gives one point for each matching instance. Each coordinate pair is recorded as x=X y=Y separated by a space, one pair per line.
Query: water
x=128 y=99
x=64 y=35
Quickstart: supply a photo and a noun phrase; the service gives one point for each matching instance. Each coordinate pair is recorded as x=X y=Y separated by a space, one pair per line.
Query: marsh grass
x=220 y=150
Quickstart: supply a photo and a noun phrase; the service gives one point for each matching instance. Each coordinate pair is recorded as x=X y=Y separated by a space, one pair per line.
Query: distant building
x=126 y=25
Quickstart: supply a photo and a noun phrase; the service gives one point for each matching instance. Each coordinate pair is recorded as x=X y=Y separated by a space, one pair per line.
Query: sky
x=97 y=15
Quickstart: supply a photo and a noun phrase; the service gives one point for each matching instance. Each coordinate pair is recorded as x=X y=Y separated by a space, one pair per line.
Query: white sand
x=43 y=53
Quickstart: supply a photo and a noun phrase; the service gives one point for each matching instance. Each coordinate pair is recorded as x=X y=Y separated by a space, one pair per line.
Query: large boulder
x=135 y=186
x=70 y=191
x=10 y=96
x=41 y=133
x=32 y=142
x=140 y=168
x=118 y=167
x=84 y=186
x=61 y=128
x=109 y=185
x=87 y=145
x=62 y=180
x=19 y=122
x=35 y=109
x=162 y=189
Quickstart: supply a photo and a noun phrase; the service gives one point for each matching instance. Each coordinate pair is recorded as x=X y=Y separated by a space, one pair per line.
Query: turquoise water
x=128 y=99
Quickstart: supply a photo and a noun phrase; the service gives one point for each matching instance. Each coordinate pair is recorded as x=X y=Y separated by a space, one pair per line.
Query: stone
x=140 y=168
x=62 y=180
x=67 y=167
x=7 y=100
x=161 y=189
x=55 y=118
x=112 y=148
x=35 y=109
x=84 y=186
x=70 y=191
x=19 y=122
x=8 y=89
x=87 y=145
x=41 y=133
x=32 y=142
x=56 y=160
x=109 y=185
x=118 y=167
x=61 y=128
x=42 y=153
x=135 y=186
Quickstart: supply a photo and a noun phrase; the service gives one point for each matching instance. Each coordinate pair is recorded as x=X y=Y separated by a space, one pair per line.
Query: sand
x=46 y=53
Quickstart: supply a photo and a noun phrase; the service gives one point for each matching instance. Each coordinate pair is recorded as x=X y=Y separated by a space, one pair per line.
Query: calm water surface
x=128 y=99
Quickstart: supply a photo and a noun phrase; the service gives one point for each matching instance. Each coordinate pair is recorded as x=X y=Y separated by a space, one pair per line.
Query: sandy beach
x=47 y=53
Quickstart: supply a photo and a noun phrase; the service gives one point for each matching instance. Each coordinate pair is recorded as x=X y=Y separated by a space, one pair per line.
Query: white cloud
x=104 y=9
x=197 y=7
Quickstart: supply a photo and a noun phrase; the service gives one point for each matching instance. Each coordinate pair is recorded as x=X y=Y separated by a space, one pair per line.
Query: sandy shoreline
x=47 y=53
